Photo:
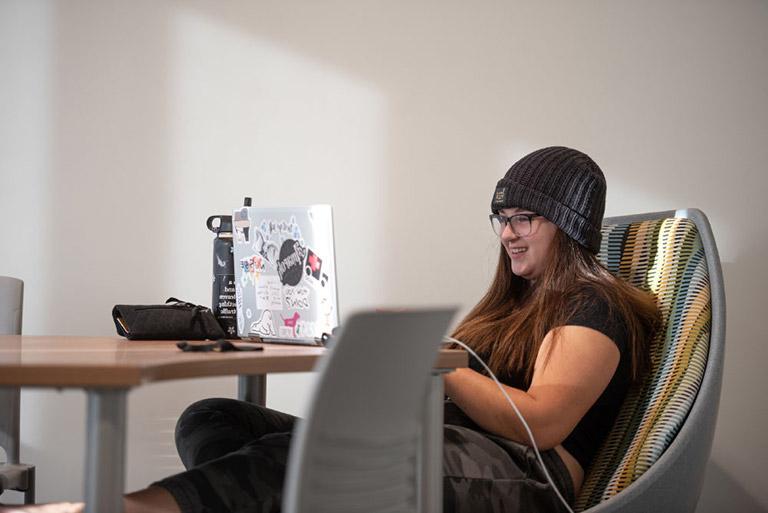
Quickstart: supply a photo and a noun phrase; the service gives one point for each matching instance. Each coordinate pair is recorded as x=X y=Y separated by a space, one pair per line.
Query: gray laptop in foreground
x=285 y=273
x=372 y=439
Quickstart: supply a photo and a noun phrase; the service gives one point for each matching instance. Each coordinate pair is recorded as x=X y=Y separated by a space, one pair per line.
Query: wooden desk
x=108 y=367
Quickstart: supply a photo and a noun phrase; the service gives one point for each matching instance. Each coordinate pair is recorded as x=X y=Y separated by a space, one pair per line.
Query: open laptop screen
x=285 y=273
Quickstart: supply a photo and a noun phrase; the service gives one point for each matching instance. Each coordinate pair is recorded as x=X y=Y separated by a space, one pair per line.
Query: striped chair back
x=665 y=257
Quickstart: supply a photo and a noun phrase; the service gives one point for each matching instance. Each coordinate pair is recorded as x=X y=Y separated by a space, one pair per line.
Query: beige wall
x=123 y=125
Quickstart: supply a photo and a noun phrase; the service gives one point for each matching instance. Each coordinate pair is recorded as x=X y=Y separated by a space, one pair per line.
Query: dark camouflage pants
x=484 y=473
x=236 y=454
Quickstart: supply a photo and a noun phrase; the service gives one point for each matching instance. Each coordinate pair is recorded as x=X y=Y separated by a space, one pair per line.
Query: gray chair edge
x=673 y=483
x=16 y=288
x=16 y=475
x=11 y=290
x=340 y=351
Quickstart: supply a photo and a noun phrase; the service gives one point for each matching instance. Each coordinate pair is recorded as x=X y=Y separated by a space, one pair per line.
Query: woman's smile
x=528 y=254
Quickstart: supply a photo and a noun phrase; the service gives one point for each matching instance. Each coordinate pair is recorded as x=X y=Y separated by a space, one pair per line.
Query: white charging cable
x=519 y=416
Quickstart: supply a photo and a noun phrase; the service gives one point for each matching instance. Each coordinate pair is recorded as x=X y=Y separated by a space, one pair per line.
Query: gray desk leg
x=252 y=388
x=105 y=452
x=432 y=448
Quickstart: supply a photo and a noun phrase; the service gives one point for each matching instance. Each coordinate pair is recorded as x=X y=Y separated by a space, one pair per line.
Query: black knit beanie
x=561 y=184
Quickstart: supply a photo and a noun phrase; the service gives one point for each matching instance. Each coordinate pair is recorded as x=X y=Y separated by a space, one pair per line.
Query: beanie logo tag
x=499 y=195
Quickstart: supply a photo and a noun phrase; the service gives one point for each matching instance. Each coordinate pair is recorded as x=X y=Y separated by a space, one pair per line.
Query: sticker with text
x=269 y=294
x=305 y=329
x=281 y=229
x=291 y=262
x=296 y=298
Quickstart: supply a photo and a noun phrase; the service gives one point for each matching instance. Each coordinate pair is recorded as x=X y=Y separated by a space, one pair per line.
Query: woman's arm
x=577 y=370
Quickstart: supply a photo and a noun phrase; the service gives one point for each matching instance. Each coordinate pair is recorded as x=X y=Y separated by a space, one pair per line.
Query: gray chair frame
x=14 y=475
x=673 y=483
x=360 y=446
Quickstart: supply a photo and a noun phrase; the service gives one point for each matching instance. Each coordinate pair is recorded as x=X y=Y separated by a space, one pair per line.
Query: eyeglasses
x=521 y=224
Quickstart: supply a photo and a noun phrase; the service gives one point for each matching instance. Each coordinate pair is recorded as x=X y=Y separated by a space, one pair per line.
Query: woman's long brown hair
x=510 y=322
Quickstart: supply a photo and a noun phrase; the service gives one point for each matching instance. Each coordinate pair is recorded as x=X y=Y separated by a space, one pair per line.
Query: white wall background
x=123 y=125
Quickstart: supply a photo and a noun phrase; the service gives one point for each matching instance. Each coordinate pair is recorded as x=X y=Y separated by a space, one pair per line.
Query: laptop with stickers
x=285 y=273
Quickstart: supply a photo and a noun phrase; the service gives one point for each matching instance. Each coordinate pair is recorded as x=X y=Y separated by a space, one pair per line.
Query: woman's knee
x=202 y=424
x=209 y=427
x=203 y=412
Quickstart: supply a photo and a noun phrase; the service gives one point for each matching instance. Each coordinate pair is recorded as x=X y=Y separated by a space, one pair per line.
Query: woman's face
x=530 y=254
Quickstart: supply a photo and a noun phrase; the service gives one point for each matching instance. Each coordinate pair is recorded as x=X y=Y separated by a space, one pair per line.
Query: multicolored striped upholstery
x=665 y=257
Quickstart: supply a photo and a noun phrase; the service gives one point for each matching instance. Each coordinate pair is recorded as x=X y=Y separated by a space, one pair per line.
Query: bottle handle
x=209 y=224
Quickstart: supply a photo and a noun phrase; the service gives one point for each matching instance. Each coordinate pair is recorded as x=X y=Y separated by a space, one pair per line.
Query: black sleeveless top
x=592 y=429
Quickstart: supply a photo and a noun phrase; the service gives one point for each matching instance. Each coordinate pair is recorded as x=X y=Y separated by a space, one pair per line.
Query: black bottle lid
x=224 y=225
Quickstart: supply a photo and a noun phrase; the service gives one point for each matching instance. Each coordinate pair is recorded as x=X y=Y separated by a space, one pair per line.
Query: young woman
x=564 y=336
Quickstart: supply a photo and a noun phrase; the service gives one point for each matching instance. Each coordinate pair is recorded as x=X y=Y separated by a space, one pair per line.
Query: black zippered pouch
x=175 y=320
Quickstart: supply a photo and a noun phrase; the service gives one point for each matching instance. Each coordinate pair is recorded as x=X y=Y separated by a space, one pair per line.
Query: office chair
x=655 y=456
x=13 y=475
x=358 y=448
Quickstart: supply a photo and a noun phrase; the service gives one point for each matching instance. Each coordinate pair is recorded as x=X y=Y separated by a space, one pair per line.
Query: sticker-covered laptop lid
x=285 y=273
